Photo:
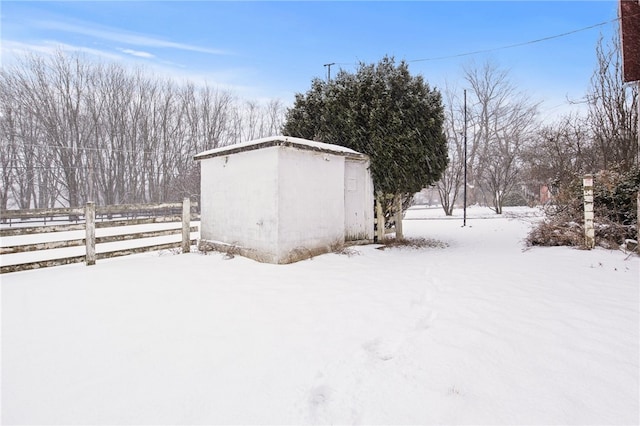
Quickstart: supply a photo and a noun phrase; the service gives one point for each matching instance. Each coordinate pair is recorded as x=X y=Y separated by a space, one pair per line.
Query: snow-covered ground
x=483 y=331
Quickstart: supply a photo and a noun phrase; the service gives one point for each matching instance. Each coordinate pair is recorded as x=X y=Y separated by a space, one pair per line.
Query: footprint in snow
x=426 y=321
x=318 y=399
x=379 y=349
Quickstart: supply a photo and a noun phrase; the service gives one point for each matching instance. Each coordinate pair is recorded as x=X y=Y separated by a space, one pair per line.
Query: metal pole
x=464 y=220
x=329 y=70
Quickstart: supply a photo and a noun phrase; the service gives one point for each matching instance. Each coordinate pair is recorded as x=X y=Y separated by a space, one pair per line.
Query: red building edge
x=630 y=36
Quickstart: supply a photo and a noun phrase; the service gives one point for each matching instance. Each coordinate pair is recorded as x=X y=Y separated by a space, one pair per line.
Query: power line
x=510 y=46
x=83 y=148
x=43 y=168
x=525 y=43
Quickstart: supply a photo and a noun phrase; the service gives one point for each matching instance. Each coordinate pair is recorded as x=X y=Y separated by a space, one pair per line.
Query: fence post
x=589 y=231
x=399 y=233
x=379 y=221
x=90 y=233
x=186 y=224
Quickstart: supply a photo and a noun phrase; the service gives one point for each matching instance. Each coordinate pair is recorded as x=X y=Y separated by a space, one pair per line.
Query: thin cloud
x=124 y=37
x=137 y=53
x=48 y=47
x=223 y=79
x=21 y=49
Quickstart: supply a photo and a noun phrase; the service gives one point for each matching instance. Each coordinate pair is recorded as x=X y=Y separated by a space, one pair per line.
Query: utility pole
x=464 y=220
x=329 y=70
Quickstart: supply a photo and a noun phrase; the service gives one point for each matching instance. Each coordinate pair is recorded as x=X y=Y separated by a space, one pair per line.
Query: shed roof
x=288 y=141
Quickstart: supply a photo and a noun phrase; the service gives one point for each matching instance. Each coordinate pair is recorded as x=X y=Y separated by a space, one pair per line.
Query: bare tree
x=27 y=167
x=107 y=156
x=502 y=120
x=559 y=152
x=613 y=109
x=8 y=144
x=252 y=120
x=452 y=178
x=215 y=108
x=52 y=92
x=273 y=118
x=73 y=130
x=31 y=175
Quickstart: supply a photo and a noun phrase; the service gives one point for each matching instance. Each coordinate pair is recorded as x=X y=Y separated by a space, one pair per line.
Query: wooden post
x=186 y=224
x=90 y=233
x=589 y=231
x=399 y=233
x=379 y=221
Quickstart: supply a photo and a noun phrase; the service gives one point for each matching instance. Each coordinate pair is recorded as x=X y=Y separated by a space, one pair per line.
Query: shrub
x=615 y=212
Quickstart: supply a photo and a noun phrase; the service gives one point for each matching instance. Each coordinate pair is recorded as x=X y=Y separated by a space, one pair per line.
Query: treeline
x=73 y=130
x=511 y=154
x=606 y=138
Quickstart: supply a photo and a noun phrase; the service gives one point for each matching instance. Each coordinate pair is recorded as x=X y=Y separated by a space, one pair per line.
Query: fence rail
x=37 y=213
x=90 y=225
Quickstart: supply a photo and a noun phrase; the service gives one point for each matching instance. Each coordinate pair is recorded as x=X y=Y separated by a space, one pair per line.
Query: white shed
x=282 y=199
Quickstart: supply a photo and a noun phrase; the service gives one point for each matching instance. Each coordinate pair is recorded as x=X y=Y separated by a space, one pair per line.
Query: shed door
x=355 y=201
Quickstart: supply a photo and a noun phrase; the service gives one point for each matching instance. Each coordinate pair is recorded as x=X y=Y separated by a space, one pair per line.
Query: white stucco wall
x=280 y=203
x=311 y=206
x=239 y=200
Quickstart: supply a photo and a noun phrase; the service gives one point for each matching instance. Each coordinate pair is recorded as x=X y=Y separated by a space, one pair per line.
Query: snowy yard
x=482 y=331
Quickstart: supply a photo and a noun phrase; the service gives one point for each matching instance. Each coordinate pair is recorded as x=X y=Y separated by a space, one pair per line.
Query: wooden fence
x=156 y=213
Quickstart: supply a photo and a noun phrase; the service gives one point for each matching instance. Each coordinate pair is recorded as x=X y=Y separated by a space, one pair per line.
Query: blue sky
x=265 y=50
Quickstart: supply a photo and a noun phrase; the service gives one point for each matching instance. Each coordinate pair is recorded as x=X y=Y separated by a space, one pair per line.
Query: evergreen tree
x=384 y=112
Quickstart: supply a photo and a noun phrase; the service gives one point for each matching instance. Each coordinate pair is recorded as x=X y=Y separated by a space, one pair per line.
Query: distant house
x=545 y=194
x=282 y=199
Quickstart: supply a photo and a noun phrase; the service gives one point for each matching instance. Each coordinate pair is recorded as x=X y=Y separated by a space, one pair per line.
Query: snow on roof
x=279 y=141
